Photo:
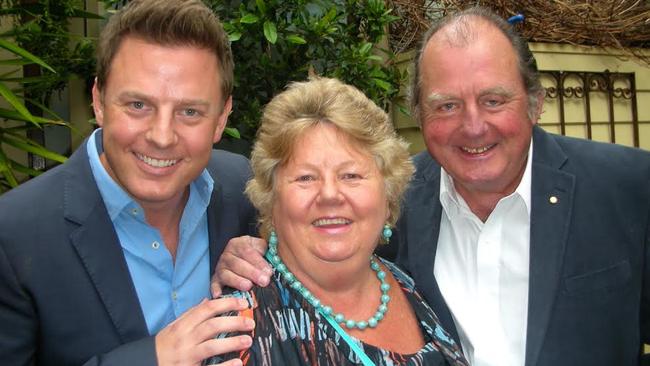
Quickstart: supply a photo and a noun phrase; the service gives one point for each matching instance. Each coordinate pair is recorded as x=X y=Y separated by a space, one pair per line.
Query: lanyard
x=365 y=360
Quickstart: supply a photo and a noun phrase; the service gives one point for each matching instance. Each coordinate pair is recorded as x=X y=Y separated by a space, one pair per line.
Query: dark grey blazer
x=589 y=297
x=66 y=295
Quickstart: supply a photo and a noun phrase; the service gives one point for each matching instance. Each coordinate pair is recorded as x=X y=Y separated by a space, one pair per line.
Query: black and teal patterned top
x=289 y=331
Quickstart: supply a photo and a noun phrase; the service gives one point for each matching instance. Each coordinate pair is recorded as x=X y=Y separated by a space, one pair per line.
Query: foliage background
x=40 y=57
x=275 y=42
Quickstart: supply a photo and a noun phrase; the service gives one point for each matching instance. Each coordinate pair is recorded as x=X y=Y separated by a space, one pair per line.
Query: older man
x=535 y=246
x=107 y=258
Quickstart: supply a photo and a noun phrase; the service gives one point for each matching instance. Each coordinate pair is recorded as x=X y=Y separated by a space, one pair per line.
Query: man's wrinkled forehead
x=462 y=31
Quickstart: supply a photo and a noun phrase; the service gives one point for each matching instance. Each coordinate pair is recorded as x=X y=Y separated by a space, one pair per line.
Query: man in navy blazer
x=107 y=258
x=588 y=279
x=538 y=255
x=534 y=248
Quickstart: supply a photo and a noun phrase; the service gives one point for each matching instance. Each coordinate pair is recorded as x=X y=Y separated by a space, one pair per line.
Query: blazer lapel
x=97 y=245
x=552 y=202
x=422 y=228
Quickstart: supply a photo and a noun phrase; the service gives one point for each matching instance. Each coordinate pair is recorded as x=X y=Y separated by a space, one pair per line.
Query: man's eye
x=190 y=112
x=137 y=105
x=446 y=107
x=493 y=100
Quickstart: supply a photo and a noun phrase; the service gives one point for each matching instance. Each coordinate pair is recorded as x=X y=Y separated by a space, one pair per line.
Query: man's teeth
x=156 y=162
x=336 y=221
x=476 y=150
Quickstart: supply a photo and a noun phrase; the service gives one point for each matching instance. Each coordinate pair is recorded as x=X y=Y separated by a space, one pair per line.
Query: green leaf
x=292 y=38
x=17 y=104
x=365 y=48
x=261 y=6
x=34 y=149
x=25 y=170
x=270 y=32
x=24 y=53
x=5 y=168
x=232 y=132
x=234 y=36
x=331 y=15
x=382 y=84
x=249 y=19
x=375 y=58
x=16 y=116
x=15 y=62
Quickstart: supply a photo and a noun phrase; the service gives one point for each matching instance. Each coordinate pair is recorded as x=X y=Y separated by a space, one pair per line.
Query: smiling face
x=330 y=204
x=474 y=110
x=161 y=110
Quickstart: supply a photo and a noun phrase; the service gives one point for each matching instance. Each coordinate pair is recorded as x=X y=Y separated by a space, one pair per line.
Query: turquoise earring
x=386 y=233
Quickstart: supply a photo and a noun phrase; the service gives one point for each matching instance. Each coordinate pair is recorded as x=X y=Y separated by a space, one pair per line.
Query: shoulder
x=36 y=194
x=606 y=157
x=223 y=161
x=229 y=169
x=51 y=184
x=425 y=167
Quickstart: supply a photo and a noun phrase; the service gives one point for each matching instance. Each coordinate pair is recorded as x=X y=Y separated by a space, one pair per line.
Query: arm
x=186 y=341
x=241 y=264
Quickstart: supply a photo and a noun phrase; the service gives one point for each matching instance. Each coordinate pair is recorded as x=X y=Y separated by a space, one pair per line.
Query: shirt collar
x=115 y=197
x=449 y=197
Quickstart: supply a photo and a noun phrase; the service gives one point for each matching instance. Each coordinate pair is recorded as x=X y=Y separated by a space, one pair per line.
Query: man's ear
x=222 y=120
x=540 y=106
x=98 y=106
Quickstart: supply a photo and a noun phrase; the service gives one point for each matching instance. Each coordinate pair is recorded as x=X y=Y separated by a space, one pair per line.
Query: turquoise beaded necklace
x=294 y=283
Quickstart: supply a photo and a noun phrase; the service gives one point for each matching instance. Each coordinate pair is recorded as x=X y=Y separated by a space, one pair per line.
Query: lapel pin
x=553 y=200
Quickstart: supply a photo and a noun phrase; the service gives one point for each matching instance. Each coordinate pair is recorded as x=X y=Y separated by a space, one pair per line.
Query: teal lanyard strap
x=353 y=345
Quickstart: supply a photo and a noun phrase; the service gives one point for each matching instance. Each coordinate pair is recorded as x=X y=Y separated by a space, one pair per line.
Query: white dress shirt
x=482 y=271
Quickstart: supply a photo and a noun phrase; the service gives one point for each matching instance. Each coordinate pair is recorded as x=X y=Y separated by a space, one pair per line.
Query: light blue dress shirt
x=165 y=290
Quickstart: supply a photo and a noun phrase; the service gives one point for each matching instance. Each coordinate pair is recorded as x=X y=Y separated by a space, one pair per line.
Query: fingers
x=182 y=341
x=209 y=309
x=224 y=325
x=219 y=346
x=242 y=264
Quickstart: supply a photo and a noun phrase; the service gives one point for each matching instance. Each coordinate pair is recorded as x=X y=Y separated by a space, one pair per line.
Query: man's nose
x=473 y=120
x=161 y=131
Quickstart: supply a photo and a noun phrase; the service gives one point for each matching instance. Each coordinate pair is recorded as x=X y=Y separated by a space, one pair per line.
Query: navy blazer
x=66 y=295
x=589 y=296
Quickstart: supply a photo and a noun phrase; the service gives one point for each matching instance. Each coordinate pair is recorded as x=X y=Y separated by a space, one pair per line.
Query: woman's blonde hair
x=322 y=100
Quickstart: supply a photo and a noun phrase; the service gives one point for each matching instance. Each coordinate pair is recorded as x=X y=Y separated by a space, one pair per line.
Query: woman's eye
x=305 y=178
x=349 y=176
